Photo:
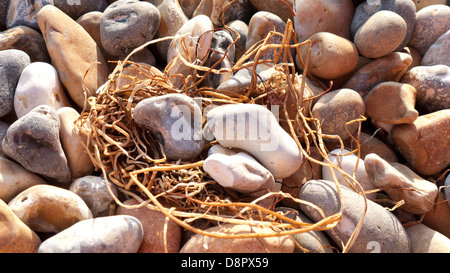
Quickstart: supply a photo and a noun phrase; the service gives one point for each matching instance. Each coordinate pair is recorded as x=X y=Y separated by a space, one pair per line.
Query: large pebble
x=405 y=8
x=205 y=244
x=426 y=240
x=79 y=161
x=439 y=51
x=34 y=142
x=432 y=21
x=380 y=228
x=349 y=163
x=331 y=56
x=24 y=13
x=175 y=120
x=221 y=50
x=15 y=179
x=76 y=8
x=381 y=34
x=47 y=208
x=127 y=24
x=399 y=108
x=391 y=67
x=425 y=143
x=335 y=109
x=323 y=16
x=255 y=129
x=432 y=84
x=15 y=236
x=281 y=9
x=39 y=85
x=26 y=39
x=157 y=237
x=401 y=183
x=109 y=234
x=12 y=63
x=74 y=54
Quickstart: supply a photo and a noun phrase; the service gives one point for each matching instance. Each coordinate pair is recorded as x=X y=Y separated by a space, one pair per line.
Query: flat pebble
x=12 y=63
x=26 y=39
x=16 y=237
x=109 y=234
x=24 y=13
x=425 y=143
x=47 y=208
x=379 y=225
x=426 y=240
x=34 y=142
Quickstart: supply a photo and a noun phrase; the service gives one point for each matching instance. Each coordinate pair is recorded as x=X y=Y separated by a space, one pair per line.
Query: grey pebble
x=24 y=12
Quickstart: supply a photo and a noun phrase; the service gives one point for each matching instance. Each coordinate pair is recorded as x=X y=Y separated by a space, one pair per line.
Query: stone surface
x=331 y=56
x=95 y=193
x=15 y=179
x=76 y=8
x=371 y=143
x=26 y=39
x=239 y=10
x=34 y=142
x=447 y=189
x=127 y=24
x=24 y=13
x=336 y=108
x=278 y=8
x=12 y=63
x=189 y=6
x=156 y=239
x=3 y=128
x=381 y=34
x=397 y=109
x=438 y=52
x=425 y=240
x=391 y=67
x=74 y=54
x=424 y=144
x=175 y=120
x=109 y=234
x=39 y=85
x=241 y=28
x=15 y=236
x=420 y=4
x=432 y=21
x=47 y=208
x=4 y=4
x=204 y=244
x=379 y=225
x=437 y=218
x=323 y=16
x=401 y=183
x=254 y=128
x=79 y=161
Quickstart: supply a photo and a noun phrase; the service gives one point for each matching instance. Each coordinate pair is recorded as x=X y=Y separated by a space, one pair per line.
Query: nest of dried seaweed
x=135 y=162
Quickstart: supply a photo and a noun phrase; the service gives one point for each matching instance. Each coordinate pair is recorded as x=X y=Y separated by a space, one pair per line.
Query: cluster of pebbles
x=385 y=60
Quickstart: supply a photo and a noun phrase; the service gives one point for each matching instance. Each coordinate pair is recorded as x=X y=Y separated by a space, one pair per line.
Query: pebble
x=432 y=84
x=47 y=208
x=241 y=28
x=335 y=109
x=16 y=237
x=12 y=63
x=350 y=164
x=373 y=144
x=381 y=34
x=39 y=85
x=391 y=67
x=34 y=142
x=401 y=183
x=379 y=225
x=156 y=239
x=15 y=179
x=76 y=8
x=3 y=13
x=189 y=6
x=278 y=8
x=204 y=244
x=72 y=54
x=242 y=79
x=405 y=8
x=438 y=52
x=239 y=10
x=425 y=143
x=109 y=234
x=437 y=218
x=432 y=21
x=254 y=129
x=420 y=4
x=400 y=108
x=79 y=162
x=24 y=13
x=26 y=39
x=127 y=24
x=426 y=240
x=323 y=16
x=175 y=120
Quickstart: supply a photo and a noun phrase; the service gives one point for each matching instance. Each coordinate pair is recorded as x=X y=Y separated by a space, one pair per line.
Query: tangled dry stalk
x=135 y=162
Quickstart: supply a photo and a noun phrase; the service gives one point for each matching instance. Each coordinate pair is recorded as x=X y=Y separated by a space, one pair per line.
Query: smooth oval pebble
x=109 y=234
x=426 y=240
x=381 y=231
x=47 y=208
x=39 y=85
